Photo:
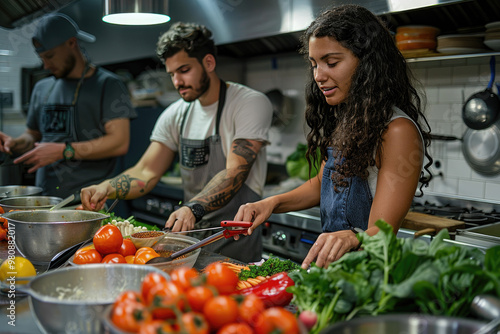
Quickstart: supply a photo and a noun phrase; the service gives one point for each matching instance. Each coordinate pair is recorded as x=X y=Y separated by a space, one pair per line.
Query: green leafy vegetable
x=130 y=219
x=296 y=163
x=271 y=266
x=391 y=275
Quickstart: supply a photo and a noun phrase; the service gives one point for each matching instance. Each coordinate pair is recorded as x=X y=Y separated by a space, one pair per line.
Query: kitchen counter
x=24 y=320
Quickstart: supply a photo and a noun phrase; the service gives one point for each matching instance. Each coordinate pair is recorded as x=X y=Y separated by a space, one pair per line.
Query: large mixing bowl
x=72 y=299
x=16 y=191
x=41 y=234
x=29 y=203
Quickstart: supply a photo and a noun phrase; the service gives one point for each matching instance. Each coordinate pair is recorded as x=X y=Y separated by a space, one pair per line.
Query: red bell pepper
x=273 y=290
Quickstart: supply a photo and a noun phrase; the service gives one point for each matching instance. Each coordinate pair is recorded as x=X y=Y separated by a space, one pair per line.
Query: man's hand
x=41 y=155
x=181 y=219
x=94 y=197
x=7 y=143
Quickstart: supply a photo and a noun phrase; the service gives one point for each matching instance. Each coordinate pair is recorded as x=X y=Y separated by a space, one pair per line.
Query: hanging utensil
x=481 y=110
x=65 y=201
x=222 y=234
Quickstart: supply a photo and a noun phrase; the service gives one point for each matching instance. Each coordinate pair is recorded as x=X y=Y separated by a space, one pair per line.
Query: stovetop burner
x=472 y=217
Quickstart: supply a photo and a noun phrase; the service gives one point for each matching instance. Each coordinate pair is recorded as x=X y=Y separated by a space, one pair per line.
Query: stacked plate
x=492 y=35
x=461 y=44
x=416 y=38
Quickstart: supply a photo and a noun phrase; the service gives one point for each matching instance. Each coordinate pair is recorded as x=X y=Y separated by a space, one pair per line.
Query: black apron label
x=195 y=154
x=56 y=120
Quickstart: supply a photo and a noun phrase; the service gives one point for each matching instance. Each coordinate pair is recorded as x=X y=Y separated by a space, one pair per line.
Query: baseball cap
x=54 y=29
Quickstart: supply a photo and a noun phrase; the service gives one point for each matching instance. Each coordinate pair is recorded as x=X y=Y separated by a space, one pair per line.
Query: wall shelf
x=451 y=57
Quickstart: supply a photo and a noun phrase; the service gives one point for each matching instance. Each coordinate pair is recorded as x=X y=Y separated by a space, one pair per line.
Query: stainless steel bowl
x=406 y=323
x=72 y=299
x=29 y=203
x=41 y=234
x=16 y=191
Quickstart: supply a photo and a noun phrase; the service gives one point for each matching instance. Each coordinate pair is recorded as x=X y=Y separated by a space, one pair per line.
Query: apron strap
x=220 y=106
x=77 y=90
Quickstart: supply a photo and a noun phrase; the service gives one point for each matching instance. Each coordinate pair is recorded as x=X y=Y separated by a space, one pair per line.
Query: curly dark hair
x=193 y=38
x=381 y=81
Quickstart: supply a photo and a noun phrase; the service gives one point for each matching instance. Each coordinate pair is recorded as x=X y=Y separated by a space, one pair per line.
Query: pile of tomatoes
x=4 y=226
x=202 y=303
x=109 y=246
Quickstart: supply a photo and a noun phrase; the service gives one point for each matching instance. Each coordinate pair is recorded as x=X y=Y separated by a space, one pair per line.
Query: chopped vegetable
x=271 y=266
x=127 y=226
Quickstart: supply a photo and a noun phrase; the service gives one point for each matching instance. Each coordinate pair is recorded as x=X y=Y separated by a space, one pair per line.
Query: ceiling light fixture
x=136 y=12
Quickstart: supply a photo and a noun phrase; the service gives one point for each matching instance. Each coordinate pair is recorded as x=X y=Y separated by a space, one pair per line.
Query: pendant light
x=136 y=12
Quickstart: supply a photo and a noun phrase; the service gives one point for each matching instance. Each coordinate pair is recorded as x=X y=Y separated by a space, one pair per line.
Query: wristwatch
x=197 y=210
x=69 y=151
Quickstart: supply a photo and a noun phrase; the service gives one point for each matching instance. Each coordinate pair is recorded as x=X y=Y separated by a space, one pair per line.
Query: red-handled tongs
x=242 y=228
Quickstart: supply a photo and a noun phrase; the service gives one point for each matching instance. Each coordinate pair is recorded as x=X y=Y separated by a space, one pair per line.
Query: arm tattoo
x=123 y=184
x=223 y=187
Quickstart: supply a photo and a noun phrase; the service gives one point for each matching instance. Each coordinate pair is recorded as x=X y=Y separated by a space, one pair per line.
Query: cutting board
x=419 y=221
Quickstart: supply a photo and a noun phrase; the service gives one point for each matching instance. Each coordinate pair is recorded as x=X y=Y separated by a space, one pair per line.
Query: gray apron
x=200 y=161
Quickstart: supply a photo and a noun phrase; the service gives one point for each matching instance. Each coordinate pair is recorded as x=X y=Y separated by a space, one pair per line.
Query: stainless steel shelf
x=452 y=57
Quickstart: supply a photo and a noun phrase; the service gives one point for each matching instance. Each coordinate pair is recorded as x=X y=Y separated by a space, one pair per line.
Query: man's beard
x=204 y=85
x=69 y=64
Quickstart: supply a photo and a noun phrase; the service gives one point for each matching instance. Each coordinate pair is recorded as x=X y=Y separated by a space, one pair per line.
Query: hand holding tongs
x=226 y=233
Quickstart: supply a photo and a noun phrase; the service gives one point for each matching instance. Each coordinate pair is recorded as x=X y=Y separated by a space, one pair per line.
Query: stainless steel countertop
x=25 y=321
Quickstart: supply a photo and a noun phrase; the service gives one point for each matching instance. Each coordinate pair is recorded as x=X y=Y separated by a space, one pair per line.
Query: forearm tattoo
x=123 y=185
x=223 y=187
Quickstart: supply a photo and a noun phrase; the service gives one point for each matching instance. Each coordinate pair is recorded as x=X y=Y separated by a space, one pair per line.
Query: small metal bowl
x=140 y=239
x=29 y=203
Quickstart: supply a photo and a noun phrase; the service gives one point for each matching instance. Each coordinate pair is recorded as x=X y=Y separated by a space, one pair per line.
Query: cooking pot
x=406 y=323
x=481 y=110
x=481 y=148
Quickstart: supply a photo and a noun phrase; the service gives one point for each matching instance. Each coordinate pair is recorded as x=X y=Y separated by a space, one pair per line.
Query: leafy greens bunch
x=391 y=275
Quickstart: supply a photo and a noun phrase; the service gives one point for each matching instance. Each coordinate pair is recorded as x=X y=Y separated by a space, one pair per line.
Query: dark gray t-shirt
x=101 y=98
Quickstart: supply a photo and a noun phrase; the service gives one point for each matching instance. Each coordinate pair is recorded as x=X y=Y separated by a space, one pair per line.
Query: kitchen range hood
x=248 y=28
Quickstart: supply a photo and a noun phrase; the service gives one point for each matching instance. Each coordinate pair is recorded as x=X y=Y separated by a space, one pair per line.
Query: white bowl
x=493 y=44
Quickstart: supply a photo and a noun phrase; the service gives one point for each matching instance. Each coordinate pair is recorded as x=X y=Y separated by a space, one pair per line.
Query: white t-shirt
x=247 y=114
x=373 y=170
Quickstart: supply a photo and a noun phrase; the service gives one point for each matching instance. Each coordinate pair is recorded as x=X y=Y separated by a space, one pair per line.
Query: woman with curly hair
x=365 y=118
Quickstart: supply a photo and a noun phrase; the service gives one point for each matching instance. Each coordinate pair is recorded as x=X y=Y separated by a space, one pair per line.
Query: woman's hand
x=257 y=213
x=330 y=247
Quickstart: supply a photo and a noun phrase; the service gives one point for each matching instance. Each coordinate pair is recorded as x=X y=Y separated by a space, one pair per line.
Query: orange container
x=416 y=37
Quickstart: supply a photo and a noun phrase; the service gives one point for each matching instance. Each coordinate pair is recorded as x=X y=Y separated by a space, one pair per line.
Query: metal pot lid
x=481 y=149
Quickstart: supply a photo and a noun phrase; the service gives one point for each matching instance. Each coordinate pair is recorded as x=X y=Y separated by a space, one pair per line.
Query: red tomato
x=130 y=296
x=193 y=323
x=113 y=258
x=91 y=246
x=142 y=249
x=151 y=280
x=87 y=256
x=236 y=328
x=222 y=278
x=108 y=239
x=156 y=327
x=3 y=234
x=250 y=308
x=184 y=276
x=128 y=316
x=144 y=256
x=277 y=320
x=220 y=310
x=163 y=298
x=127 y=248
x=197 y=296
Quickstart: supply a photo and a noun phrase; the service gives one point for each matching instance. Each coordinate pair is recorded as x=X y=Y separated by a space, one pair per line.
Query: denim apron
x=350 y=207
x=200 y=161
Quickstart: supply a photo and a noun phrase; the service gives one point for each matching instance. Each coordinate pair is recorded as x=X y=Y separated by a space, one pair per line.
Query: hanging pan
x=481 y=110
x=481 y=149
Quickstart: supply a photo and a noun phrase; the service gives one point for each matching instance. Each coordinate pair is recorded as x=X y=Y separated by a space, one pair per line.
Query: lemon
x=16 y=267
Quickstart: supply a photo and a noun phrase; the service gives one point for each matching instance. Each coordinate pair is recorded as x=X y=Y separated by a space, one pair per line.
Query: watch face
x=197 y=210
x=68 y=153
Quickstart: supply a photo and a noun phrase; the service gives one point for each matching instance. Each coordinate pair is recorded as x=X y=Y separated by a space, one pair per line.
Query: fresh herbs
x=391 y=275
x=130 y=219
x=271 y=266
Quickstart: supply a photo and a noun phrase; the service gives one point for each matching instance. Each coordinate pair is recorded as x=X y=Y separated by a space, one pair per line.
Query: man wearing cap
x=78 y=119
